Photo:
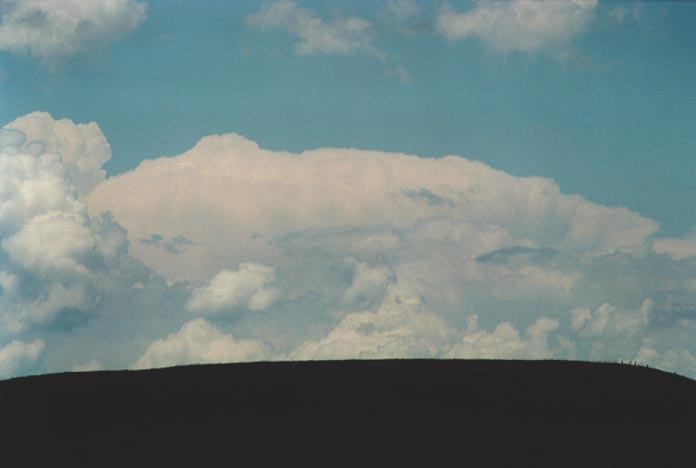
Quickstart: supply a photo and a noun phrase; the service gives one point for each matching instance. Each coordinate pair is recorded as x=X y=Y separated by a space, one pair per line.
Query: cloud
x=610 y=333
x=204 y=195
x=402 y=10
x=341 y=36
x=518 y=25
x=368 y=281
x=81 y=147
x=672 y=359
x=55 y=258
x=250 y=286
x=199 y=342
x=505 y=342
x=52 y=242
x=376 y=255
x=54 y=30
x=390 y=255
x=677 y=248
x=173 y=246
x=580 y=317
x=17 y=355
x=401 y=327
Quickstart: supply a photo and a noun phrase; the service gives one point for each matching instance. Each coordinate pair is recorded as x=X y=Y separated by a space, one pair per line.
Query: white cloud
x=250 y=286
x=53 y=255
x=671 y=360
x=401 y=327
x=505 y=342
x=368 y=281
x=611 y=333
x=402 y=9
x=199 y=342
x=608 y=321
x=18 y=355
x=522 y=280
x=316 y=36
x=53 y=30
x=204 y=195
x=580 y=317
x=52 y=242
x=677 y=248
x=518 y=25
x=81 y=147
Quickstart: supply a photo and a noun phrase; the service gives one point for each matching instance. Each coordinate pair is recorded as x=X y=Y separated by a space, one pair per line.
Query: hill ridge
x=380 y=407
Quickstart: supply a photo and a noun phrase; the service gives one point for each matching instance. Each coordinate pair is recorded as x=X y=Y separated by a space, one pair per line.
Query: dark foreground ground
x=357 y=413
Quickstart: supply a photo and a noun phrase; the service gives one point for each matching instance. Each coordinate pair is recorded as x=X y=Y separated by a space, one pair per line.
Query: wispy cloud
x=518 y=25
x=402 y=10
x=345 y=35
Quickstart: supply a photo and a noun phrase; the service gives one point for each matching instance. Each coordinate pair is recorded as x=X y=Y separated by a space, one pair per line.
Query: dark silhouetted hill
x=357 y=413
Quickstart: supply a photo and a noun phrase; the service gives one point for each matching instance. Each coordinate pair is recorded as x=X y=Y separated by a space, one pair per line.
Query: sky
x=206 y=181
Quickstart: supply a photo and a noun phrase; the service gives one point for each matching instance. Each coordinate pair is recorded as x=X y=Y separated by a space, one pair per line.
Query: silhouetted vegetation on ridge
x=532 y=413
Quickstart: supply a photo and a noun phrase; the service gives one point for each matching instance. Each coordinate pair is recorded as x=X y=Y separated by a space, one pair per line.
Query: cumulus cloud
x=54 y=30
x=54 y=256
x=518 y=25
x=250 y=286
x=18 y=355
x=81 y=147
x=199 y=342
x=678 y=359
x=612 y=333
x=401 y=327
x=505 y=342
x=317 y=36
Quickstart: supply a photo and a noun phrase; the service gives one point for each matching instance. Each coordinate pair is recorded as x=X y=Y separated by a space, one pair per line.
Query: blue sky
x=208 y=181
x=613 y=122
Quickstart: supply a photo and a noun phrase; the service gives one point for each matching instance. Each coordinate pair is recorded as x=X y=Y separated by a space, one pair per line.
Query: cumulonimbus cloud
x=376 y=254
x=207 y=195
x=391 y=255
